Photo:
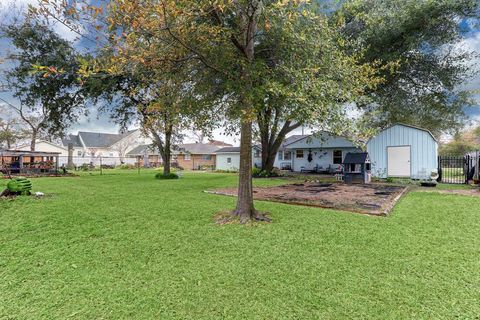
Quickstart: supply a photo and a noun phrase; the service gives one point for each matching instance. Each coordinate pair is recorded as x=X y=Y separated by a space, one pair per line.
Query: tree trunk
x=33 y=141
x=245 y=209
x=271 y=143
x=166 y=151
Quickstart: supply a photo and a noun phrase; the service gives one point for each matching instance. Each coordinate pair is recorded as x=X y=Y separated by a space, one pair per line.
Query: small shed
x=357 y=168
x=403 y=151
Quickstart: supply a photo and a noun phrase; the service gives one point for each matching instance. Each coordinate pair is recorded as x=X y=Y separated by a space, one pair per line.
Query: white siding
x=424 y=150
x=46 y=147
x=222 y=163
x=321 y=157
x=282 y=163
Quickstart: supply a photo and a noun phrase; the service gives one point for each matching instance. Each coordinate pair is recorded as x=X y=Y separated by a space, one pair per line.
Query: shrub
x=389 y=180
x=172 y=169
x=259 y=173
x=256 y=172
x=162 y=176
x=127 y=166
x=85 y=167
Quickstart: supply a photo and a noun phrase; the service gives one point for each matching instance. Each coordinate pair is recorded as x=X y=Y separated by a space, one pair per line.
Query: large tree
x=418 y=42
x=246 y=56
x=48 y=103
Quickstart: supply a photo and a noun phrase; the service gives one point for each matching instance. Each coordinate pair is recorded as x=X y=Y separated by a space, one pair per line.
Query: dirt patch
x=374 y=199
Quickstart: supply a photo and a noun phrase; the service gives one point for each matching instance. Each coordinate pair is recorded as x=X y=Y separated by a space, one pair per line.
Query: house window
x=187 y=157
x=337 y=157
x=256 y=154
x=280 y=155
x=207 y=157
x=110 y=154
x=299 y=154
x=287 y=155
x=79 y=153
x=229 y=160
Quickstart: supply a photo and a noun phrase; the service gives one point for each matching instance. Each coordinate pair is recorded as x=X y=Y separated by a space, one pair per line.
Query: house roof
x=197 y=148
x=94 y=139
x=292 y=139
x=73 y=139
x=228 y=150
x=219 y=143
x=356 y=157
x=28 y=153
x=322 y=139
x=408 y=126
x=140 y=150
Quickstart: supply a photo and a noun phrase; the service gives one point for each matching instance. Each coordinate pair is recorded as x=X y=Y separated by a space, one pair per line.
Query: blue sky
x=101 y=122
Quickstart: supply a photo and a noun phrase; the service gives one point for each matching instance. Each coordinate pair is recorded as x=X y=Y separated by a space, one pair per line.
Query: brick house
x=197 y=156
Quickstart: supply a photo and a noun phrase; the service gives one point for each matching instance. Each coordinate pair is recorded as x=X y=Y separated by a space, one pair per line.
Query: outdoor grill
x=357 y=168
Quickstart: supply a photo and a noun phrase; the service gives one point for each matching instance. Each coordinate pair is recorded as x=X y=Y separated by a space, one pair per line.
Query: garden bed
x=373 y=199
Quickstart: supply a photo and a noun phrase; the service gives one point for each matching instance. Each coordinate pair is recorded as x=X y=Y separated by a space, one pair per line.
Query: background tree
x=417 y=41
x=160 y=100
x=124 y=145
x=462 y=142
x=48 y=103
x=10 y=128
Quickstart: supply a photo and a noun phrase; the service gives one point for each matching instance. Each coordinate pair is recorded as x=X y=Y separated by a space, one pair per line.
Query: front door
x=398 y=161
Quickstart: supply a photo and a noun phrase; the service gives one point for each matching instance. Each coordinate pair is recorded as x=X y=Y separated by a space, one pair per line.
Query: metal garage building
x=403 y=151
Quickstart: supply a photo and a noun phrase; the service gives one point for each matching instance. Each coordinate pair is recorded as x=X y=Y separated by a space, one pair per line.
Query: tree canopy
x=39 y=53
x=418 y=42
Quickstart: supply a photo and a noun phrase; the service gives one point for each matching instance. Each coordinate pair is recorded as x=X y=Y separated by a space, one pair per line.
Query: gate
x=458 y=170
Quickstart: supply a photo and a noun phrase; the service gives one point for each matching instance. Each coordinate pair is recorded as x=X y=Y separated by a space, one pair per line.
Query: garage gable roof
x=407 y=126
x=322 y=140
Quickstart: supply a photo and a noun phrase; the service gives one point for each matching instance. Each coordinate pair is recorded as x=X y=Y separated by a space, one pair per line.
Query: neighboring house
x=403 y=151
x=228 y=158
x=146 y=155
x=45 y=146
x=196 y=156
x=96 y=144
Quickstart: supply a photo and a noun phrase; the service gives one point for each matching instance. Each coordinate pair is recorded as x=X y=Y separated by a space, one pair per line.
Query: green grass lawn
x=127 y=246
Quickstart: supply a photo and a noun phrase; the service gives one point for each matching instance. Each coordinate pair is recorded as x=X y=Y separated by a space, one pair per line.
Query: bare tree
x=124 y=145
x=198 y=135
x=10 y=129
x=35 y=121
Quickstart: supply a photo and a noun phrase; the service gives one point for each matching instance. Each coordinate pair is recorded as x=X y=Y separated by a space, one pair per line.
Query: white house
x=403 y=151
x=323 y=152
x=96 y=144
x=45 y=146
x=320 y=153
